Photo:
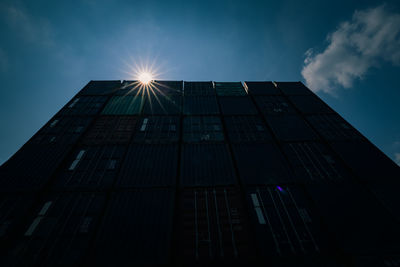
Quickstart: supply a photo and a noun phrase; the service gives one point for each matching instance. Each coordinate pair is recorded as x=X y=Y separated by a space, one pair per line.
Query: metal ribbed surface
x=230 y=89
x=100 y=87
x=200 y=105
x=290 y=128
x=149 y=165
x=136 y=230
x=84 y=105
x=157 y=129
x=166 y=88
x=237 y=105
x=124 y=105
x=202 y=129
x=310 y=104
x=163 y=105
x=274 y=105
x=198 y=89
x=262 y=88
x=294 y=88
x=206 y=165
x=247 y=129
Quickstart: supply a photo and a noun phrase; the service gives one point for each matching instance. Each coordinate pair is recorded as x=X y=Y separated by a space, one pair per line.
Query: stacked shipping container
x=198 y=173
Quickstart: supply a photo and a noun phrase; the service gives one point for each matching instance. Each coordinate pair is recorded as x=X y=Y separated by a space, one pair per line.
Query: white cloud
x=32 y=29
x=397 y=158
x=370 y=37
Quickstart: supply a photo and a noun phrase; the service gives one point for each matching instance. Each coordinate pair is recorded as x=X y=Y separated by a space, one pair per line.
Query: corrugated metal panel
x=166 y=88
x=91 y=167
x=230 y=89
x=163 y=105
x=136 y=230
x=262 y=88
x=274 y=105
x=356 y=219
x=387 y=260
x=200 y=105
x=31 y=167
x=290 y=128
x=124 y=105
x=100 y=87
x=133 y=88
x=206 y=165
x=60 y=231
x=198 y=89
x=294 y=88
x=260 y=164
x=247 y=129
x=284 y=222
x=111 y=130
x=236 y=105
x=202 y=129
x=61 y=131
x=84 y=105
x=310 y=104
x=212 y=227
x=333 y=127
x=314 y=163
x=149 y=165
x=157 y=129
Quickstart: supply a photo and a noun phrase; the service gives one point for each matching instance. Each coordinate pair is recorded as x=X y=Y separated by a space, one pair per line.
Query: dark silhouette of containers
x=310 y=104
x=90 y=167
x=199 y=89
x=246 y=129
x=229 y=89
x=59 y=231
x=157 y=129
x=236 y=105
x=111 y=130
x=284 y=222
x=206 y=165
x=290 y=128
x=133 y=88
x=100 y=88
x=202 y=129
x=64 y=130
x=84 y=105
x=313 y=162
x=158 y=104
x=200 y=105
x=260 y=164
x=332 y=127
x=149 y=165
x=124 y=105
x=166 y=88
x=31 y=167
x=262 y=88
x=293 y=88
x=136 y=230
x=274 y=105
x=213 y=227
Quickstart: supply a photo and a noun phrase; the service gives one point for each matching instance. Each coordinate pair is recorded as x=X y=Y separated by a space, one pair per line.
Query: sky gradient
x=345 y=50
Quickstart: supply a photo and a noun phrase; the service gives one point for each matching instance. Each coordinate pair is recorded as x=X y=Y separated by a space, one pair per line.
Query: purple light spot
x=279 y=188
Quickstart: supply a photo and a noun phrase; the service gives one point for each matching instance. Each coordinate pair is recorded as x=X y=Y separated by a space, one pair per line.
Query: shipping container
x=31 y=167
x=310 y=104
x=148 y=165
x=313 y=162
x=246 y=129
x=213 y=227
x=90 y=167
x=166 y=88
x=332 y=127
x=157 y=129
x=293 y=88
x=132 y=88
x=111 y=130
x=100 y=88
x=357 y=221
x=274 y=105
x=84 y=105
x=199 y=89
x=262 y=88
x=388 y=260
x=200 y=105
x=260 y=164
x=202 y=129
x=285 y=223
x=124 y=105
x=206 y=165
x=237 y=105
x=163 y=105
x=63 y=130
x=59 y=232
x=136 y=230
x=230 y=89
x=290 y=128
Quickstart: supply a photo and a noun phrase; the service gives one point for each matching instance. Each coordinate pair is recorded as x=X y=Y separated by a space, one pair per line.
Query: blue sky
x=347 y=51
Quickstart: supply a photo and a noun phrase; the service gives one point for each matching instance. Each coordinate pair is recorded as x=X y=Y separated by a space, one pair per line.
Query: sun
x=145 y=77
